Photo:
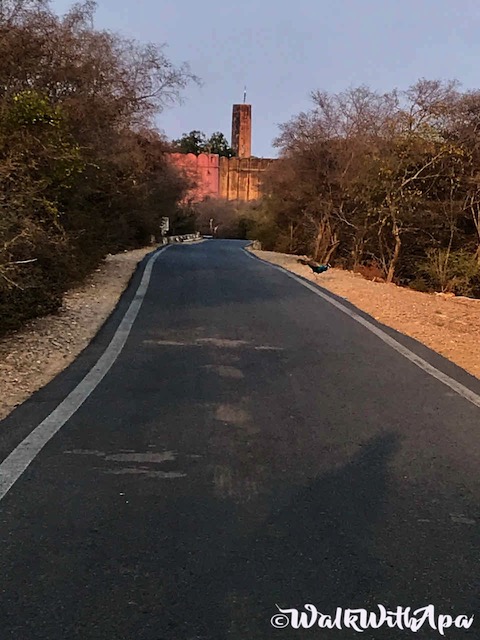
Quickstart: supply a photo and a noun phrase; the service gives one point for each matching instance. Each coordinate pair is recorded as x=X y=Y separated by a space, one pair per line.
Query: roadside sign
x=165 y=226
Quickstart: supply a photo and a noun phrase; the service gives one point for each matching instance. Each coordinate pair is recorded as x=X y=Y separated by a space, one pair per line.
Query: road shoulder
x=35 y=355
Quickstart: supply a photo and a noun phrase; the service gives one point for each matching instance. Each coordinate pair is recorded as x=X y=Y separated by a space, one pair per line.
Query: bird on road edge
x=314 y=266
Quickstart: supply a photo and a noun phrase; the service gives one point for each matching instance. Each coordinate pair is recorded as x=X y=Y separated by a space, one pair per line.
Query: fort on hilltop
x=238 y=178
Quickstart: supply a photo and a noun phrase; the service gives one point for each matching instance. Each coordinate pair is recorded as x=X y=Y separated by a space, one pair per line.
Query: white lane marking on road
x=459 y=388
x=15 y=464
x=221 y=343
x=143 y=472
x=166 y=456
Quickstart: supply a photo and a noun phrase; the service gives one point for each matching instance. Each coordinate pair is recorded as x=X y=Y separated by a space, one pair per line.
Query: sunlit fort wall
x=238 y=178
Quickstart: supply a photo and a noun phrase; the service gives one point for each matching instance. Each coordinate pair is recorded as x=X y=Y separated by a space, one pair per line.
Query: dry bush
x=83 y=170
x=371 y=271
x=366 y=178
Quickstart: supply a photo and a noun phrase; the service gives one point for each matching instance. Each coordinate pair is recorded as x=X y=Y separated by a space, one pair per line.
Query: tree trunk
x=477 y=254
x=332 y=250
x=396 y=253
x=318 y=242
x=357 y=251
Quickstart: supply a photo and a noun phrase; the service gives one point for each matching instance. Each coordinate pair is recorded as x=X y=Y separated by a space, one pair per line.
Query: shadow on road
x=316 y=546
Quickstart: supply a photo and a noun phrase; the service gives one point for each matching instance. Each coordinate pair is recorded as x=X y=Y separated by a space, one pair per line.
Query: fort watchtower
x=242 y=130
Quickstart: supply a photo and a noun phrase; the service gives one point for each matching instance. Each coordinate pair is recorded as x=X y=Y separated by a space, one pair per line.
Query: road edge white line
x=456 y=386
x=23 y=455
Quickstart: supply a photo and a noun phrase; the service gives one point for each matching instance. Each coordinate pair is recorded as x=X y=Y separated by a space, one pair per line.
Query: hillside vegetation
x=384 y=183
x=83 y=171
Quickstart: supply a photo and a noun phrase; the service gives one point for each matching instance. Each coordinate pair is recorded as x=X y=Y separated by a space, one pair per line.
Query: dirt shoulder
x=448 y=325
x=33 y=356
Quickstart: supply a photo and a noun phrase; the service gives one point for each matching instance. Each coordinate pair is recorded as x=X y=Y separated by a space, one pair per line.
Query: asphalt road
x=251 y=446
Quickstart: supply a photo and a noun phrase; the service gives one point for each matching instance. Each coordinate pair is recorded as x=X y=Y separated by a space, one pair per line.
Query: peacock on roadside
x=314 y=266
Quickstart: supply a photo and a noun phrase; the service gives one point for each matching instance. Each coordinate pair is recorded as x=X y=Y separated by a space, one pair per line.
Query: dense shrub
x=83 y=170
x=391 y=180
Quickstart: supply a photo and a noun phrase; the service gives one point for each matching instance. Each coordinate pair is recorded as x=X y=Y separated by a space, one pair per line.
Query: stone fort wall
x=218 y=177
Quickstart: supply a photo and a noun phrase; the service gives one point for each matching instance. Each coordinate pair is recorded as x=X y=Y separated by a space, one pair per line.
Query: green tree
x=196 y=142
x=217 y=143
x=193 y=142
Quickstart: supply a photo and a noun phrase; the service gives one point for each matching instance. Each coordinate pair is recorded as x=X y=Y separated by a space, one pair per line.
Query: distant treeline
x=383 y=182
x=83 y=170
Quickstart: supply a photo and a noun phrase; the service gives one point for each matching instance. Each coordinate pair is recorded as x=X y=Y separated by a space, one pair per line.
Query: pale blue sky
x=284 y=50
